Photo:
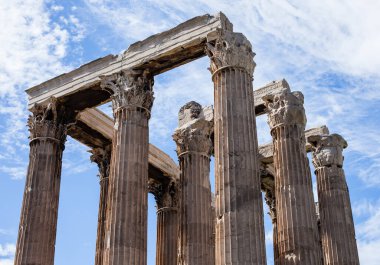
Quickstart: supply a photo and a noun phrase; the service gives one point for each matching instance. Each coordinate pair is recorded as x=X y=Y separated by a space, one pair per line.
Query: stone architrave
x=297 y=231
x=38 y=222
x=102 y=156
x=167 y=221
x=239 y=228
x=126 y=225
x=336 y=221
x=194 y=148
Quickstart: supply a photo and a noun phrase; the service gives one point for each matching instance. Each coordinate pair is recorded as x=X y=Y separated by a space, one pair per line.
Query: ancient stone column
x=239 y=208
x=126 y=225
x=336 y=222
x=102 y=156
x=271 y=202
x=194 y=149
x=167 y=222
x=38 y=222
x=297 y=231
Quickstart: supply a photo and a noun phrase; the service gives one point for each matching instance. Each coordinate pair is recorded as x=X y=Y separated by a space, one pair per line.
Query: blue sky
x=328 y=49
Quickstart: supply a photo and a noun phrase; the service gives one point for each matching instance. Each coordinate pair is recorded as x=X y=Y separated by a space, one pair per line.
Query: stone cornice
x=285 y=108
x=230 y=49
x=327 y=150
x=130 y=89
x=102 y=157
x=194 y=134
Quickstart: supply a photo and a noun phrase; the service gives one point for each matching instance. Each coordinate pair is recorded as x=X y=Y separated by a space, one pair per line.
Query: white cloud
x=6 y=261
x=76 y=158
x=7 y=250
x=57 y=8
x=368 y=231
x=133 y=20
x=328 y=49
x=33 y=47
x=16 y=172
x=311 y=44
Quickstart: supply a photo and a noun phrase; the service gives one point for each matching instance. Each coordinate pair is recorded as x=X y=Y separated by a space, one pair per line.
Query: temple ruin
x=193 y=227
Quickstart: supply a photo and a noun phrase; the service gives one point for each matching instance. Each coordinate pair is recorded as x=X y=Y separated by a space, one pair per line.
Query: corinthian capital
x=130 y=88
x=285 y=108
x=166 y=195
x=271 y=202
x=48 y=121
x=102 y=157
x=327 y=150
x=195 y=128
x=230 y=49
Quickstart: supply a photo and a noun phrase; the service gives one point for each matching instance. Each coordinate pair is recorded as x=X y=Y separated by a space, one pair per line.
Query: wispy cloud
x=7 y=252
x=329 y=50
x=6 y=261
x=368 y=231
x=33 y=48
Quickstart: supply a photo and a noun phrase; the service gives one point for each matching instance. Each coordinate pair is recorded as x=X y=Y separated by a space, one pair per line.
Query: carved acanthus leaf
x=285 y=108
x=230 y=49
x=194 y=135
x=166 y=195
x=102 y=156
x=271 y=202
x=130 y=88
x=48 y=121
x=327 y=150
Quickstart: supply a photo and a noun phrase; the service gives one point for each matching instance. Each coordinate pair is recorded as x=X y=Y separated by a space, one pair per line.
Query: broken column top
x=195 y=125
x=285 y=108
x=328 y=149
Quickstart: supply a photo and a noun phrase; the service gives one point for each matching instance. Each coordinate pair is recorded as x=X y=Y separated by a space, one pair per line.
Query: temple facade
x=194 y=226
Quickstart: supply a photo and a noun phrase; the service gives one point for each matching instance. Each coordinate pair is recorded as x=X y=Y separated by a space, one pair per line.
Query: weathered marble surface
x=336 y=222
x=238 y=201
x=194 y=147
x=297 y=240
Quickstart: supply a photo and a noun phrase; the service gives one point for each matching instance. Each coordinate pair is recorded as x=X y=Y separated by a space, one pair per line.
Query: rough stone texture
x=38 y=222
x=167 y=236
x=266 y=150
x=272 y=88
x=167 y=221
x=102 y=156
x=102 y=124
x=239 y=208
x=194 y=148
x=126 y=229
x=127 y=80
x=159 y=53
x=271 y=202
x=297 y=231
x=336 y=222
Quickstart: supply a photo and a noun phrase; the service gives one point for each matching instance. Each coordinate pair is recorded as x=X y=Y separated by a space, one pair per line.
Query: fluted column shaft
x=167 y=236
x=38 y=222
x=239 y=208
x=193 y=149
x=167 y=201
x=196 y=237
x=102 y=157
x=102 y=217
x=126 y=224
x=336 y=221
x=297 y=231
x=271 y=202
